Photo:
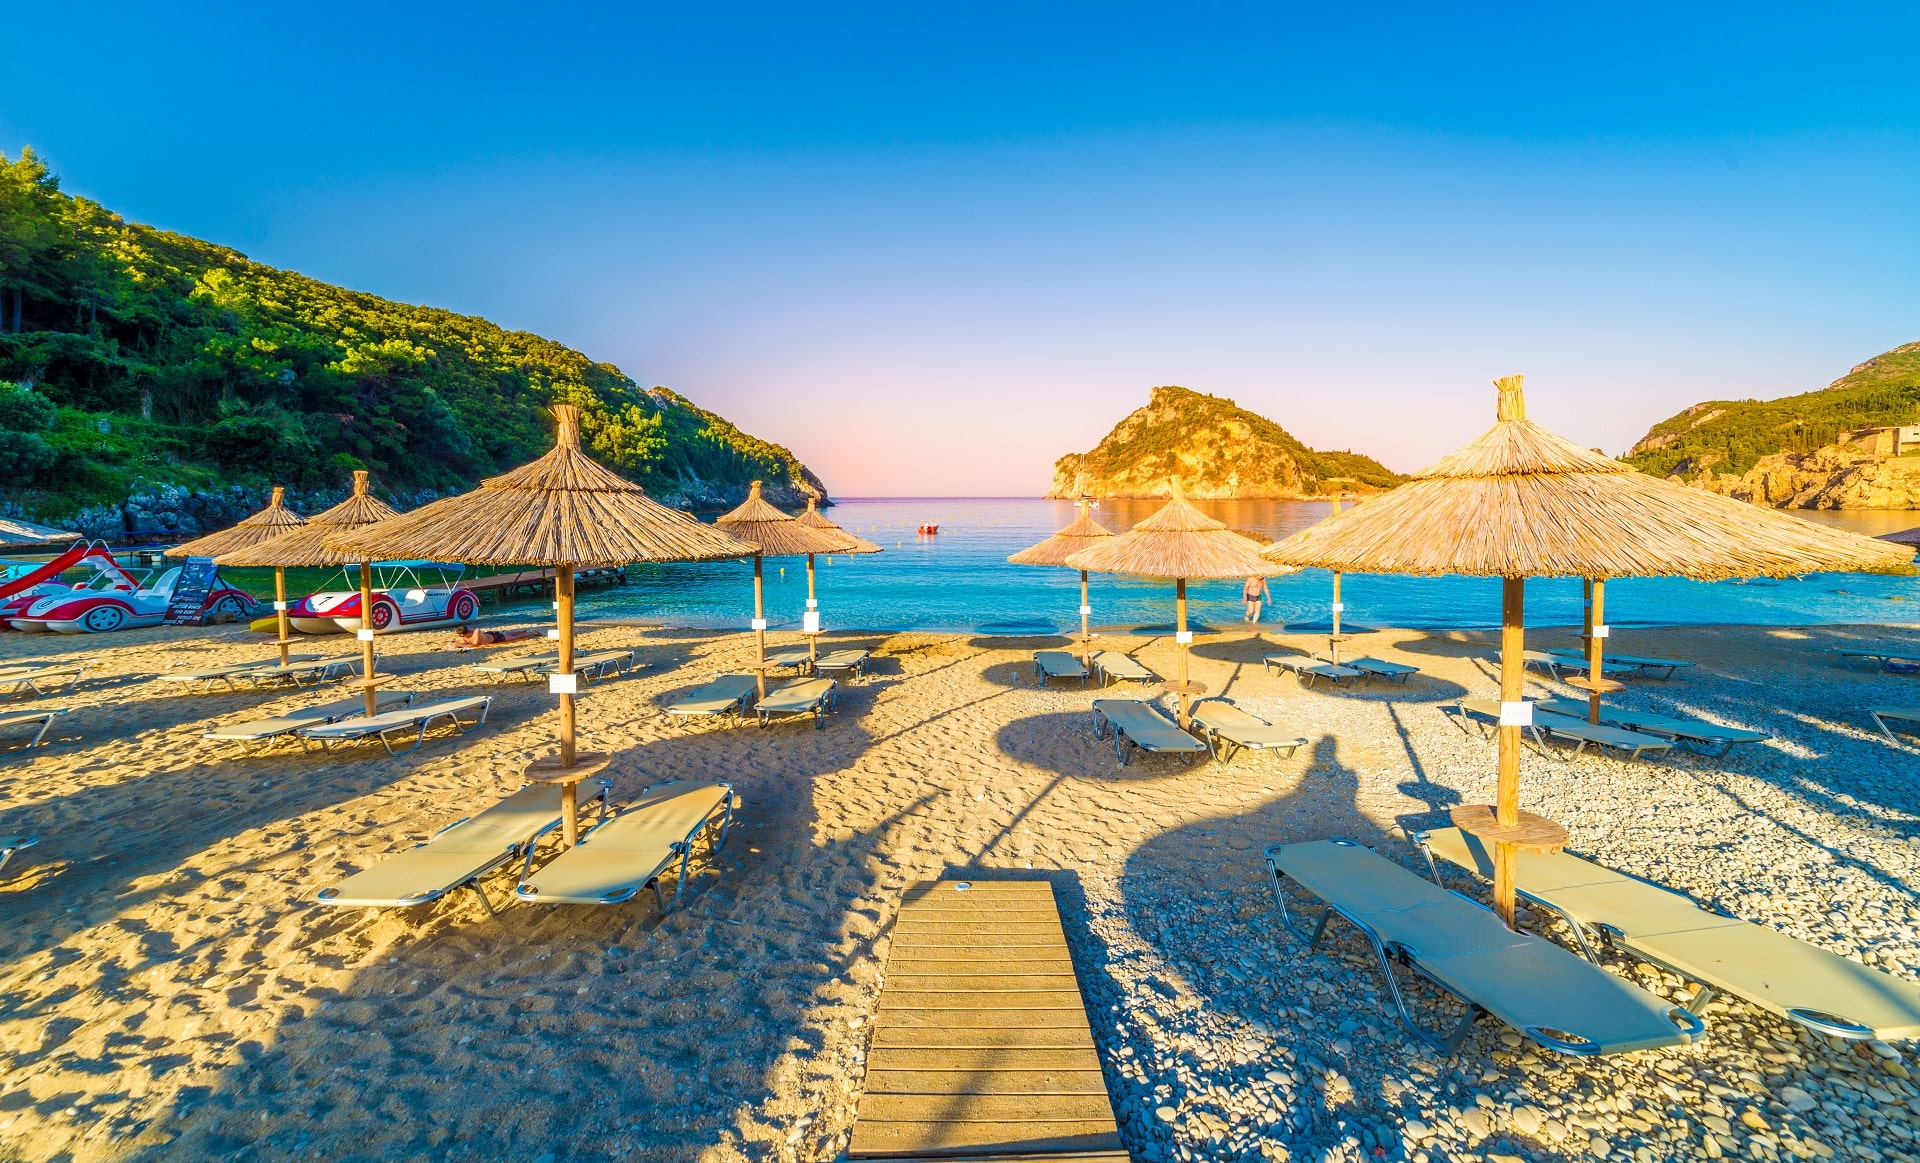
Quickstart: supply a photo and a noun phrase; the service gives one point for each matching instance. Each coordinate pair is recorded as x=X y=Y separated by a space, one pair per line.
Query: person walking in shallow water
x=1255 y=593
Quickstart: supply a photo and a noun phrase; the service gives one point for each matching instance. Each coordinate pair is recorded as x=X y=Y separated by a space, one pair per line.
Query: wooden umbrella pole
x=570 y=789
x=1334 y=642
x=1086 y=614
x=280 y=607
x=759 y=627
x=366 y=636
x=1506 y=808
x=1180 y=636
x=1596 y=644
x=812 y=607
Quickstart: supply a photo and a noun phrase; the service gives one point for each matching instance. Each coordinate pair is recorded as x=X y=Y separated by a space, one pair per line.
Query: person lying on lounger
x=473 y=637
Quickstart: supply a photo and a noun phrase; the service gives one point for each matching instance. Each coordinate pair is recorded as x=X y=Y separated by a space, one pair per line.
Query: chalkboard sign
x=187 y=607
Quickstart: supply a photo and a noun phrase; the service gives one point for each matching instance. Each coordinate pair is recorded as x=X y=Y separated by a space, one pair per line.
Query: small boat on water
x=929 y=530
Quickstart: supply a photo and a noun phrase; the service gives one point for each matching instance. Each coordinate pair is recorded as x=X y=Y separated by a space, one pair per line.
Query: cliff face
x=1218 y=450
x=1837 y=476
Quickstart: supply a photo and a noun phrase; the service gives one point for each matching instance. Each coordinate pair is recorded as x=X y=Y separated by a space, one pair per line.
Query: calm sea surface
x=960 y=581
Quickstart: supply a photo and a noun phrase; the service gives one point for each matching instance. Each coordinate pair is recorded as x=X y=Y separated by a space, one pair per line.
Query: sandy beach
x=170 y=990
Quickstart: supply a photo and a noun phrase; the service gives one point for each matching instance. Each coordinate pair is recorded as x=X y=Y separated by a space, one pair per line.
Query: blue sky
x=932 y=249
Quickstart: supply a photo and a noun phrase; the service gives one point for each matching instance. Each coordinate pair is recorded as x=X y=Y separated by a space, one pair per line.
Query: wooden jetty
x=981 y=1047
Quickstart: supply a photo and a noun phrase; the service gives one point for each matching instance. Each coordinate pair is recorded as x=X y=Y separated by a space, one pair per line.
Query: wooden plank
x=981 y=1048
x=998 y=1058
x=981 y=1083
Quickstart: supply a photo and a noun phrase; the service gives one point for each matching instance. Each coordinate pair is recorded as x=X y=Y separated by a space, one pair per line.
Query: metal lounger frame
x=1409 y=957
x=1122 y=740
x=1306 y=676
x=46 y=724
x=821 y=707
x=1044 y=676
x=684 y=847
x=1458 y=712
x=266 y=743
x=31 y=679
x=6 y=854
x=1107 y=676
x=858 y=669
x=1882 y=658
x=1365 y=672
x=423 y=723
x=1887 y=730
x=1587 y=936
x=320 y=672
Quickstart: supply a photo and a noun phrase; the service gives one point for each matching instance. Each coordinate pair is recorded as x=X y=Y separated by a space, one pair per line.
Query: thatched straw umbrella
x=265 y=525
x=565 y=511
x=775 y=534
x=813 y=519
x=1522 y=502
x=1179 y=542
x=14 y=531
x=1084 y=533
x=307 y=546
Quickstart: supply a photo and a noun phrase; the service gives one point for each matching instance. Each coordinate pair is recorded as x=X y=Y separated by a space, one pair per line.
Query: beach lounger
x=267 y=731
x=461 y=853
x=1058 y=664
x=596 y=666
x=527 y=666
x=1112 y=665
x=11 y=844
x=1549 y=995
x=852 y=663
x=1307 y=668
x=806 y=696
x=1398 y=672
x=726 y=695
x=1554 y=664
x=1220 y=720
x=1704 y=737
x=1884 y=658
x=1144 y=726
x=31 y=679
x=417 y=718
x=792 y=658
x=1642 y=664
x=1905 y=720
x=207 y=676
x=1485 y=714
x=1786 y=977
x=635 y=847
x=44 y=717
x=307 y=671
x=981 y=1049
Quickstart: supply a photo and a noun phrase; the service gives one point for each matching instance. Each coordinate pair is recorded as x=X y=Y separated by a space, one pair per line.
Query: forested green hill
x=130 y=355
x=1729 y=436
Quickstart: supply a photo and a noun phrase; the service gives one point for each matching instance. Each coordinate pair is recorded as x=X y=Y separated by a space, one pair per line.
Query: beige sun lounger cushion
x=1540 y=989
x=1381 y=668
x=792 y=656
x=301 y=670
x=853 y=662
x=1782 y=975
x=264 y=730
x=1553 y=664
x=1142 y=725
x=73 y=672
x=726 y=695
x=1308 y=669
x=212 y=674
x=43 y=717
x=632 y=850
x=807 y=696
x=1111 y=665
x=1241 y=728
x=524 y=666
x=418 y=718
x=595 y=666
x=1546 y=723
x=459 y=854
x=1695 y=731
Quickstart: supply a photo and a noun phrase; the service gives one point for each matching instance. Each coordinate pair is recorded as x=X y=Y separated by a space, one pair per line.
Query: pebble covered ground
x=194 y=1003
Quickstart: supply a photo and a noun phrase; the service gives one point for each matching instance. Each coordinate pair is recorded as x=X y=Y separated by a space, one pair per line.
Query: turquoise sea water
x=960 y=581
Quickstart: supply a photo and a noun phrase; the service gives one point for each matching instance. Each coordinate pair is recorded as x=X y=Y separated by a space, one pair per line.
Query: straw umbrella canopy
x=775 y=534
x=1179 y=542
x=1084 y=533
x=265 y=525
x=306 y=545
x=814 y=519
x=563 y=510
x=1521 y=502
x=14 y=531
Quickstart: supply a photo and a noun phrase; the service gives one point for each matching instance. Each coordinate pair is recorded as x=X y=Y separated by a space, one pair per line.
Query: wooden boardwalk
x=981 y=1048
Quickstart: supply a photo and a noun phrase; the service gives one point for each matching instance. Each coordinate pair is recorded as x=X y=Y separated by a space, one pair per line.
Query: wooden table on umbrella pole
x=548 y=770
x=1529 y=832
x=1186 y=691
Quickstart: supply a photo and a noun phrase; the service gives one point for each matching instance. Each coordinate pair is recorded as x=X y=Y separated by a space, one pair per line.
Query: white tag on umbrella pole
x=759 y=623
x=554 y=634
x=812 y=605
x=1086 y=611
x=556 y=605
x=563 y=684
x=279 y=605
x=1339 y=607
x=1184 y=637
x=810 y=622
x=1518 y=714
x=1602 y=631
x=363 y=635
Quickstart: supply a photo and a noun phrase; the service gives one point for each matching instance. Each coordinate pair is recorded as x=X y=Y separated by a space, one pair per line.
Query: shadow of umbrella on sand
x=1521 y=502
x=565 y=511
x=265 y=525
x=1179 y=542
